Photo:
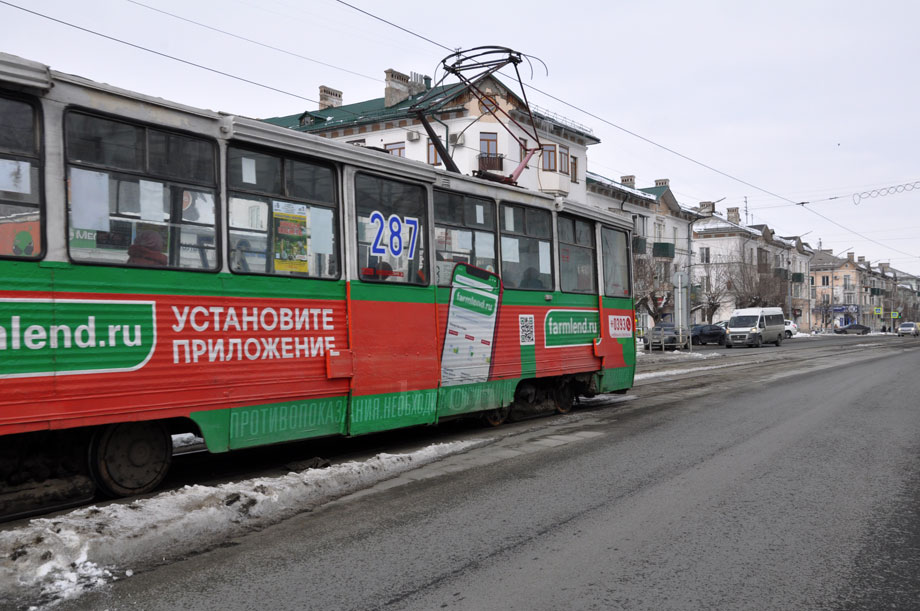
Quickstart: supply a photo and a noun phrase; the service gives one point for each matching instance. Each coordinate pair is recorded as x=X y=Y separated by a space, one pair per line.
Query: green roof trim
x=369 y=111
x=656 y=191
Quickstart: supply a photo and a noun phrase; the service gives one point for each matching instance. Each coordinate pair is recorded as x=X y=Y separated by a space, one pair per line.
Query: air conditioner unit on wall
x=456 y=139
x=412 y=136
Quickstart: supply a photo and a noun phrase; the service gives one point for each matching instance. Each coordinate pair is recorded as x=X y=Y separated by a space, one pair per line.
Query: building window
x=359 y=142
x=433 y=157
x=488 y=144
x=548 y=156
x=396 y=148
x=663 y=271
x=846 y=282
x=574 y=168
x=825 y=281
x=563 y=159
x=704 y=254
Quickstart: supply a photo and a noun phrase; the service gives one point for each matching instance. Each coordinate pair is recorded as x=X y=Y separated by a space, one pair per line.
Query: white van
x=755 y=326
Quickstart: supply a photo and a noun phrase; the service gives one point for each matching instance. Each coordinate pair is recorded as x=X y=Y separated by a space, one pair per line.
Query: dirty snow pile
x=669 y=356
x=54 y=558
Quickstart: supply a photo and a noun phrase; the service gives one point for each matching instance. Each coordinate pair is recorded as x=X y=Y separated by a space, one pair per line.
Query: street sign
x=878 y=311
x=895 y=314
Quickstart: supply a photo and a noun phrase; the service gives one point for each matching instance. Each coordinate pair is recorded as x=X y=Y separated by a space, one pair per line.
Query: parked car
x=707 y=334
x=665 y=335
x=853 y=328
x=722 y=323
x=908 y=328
x=791 y=328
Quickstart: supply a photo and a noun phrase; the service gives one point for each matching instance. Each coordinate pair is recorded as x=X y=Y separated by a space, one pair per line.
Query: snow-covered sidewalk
x=54 y=558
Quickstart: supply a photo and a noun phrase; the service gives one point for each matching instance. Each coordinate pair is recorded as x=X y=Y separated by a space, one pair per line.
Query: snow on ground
x=669 y=356
x=56 y=558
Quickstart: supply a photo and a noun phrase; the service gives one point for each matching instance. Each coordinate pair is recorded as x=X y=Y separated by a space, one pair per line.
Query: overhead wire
x=159 y=53
x=250 y=40
x=791 y=202
x=802 y=204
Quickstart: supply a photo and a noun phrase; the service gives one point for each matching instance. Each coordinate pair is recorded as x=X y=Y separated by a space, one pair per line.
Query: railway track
x=659 y=384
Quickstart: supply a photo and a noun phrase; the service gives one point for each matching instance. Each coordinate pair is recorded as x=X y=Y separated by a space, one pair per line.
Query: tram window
x=615 y=252
x=20 y=181
x=392 y=230
x=281 y=219
x=17 y=127
x=253 y=171
x=152 y=204
x=310 y=181
x=464 y=232
x=526 y=247
x=577 y=263
x=181 y=157
x=105 y=142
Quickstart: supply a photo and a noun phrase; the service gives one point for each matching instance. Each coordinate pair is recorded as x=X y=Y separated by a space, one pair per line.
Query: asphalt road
x=791 y=483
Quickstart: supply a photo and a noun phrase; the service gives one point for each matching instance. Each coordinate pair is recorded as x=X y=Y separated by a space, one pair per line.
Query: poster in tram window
x=475 y=295
x=291 y=223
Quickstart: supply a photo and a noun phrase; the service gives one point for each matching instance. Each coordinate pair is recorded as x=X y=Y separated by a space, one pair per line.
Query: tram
x=166 y=269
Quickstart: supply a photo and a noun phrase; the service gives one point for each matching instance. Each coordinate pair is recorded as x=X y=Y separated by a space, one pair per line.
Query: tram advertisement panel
x=471 y=316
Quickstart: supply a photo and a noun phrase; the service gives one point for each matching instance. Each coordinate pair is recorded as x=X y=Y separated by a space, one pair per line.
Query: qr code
x=525 y=324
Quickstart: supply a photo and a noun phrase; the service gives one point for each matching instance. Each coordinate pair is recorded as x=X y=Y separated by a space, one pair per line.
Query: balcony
x=554 y=183
x=663 y=249
x=763 y=268
x=876 y=292
x=640 y=247
x=798 y=277
x=781 y=272
x=491 y=162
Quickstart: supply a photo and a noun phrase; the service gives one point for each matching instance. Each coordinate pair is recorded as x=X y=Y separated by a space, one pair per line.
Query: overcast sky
x=806 y=100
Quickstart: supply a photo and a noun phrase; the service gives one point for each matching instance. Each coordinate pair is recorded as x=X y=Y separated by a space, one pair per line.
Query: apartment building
x=661 y=243
x=852 y=290
x=468 y=128
x=736 y=265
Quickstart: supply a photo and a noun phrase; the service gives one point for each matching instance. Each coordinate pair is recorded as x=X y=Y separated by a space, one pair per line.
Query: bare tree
x=755 y=286
x=651 y=293
x=714 y=288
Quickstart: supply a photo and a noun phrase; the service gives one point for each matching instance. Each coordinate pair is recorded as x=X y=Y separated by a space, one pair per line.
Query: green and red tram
x=167 y=269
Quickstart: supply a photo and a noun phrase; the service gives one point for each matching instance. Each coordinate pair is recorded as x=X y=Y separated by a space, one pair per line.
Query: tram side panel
x=249 y=370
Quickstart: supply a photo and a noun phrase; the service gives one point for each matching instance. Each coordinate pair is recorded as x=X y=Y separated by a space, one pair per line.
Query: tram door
x=393 y=316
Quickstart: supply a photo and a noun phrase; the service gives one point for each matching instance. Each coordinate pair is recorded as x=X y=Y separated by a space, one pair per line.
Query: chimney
x=329 y=97
x=861 y=260
x=707 y=208
x=734 y=215
x=662 y=182
x=419 y=83
x=628 y=181
x=397 y=88
x=884 y=268
x=851 y=257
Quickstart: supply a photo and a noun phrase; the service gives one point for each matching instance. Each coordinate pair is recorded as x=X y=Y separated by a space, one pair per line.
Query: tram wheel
x=563 y=398
x=496 y=417
x=130 y=458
